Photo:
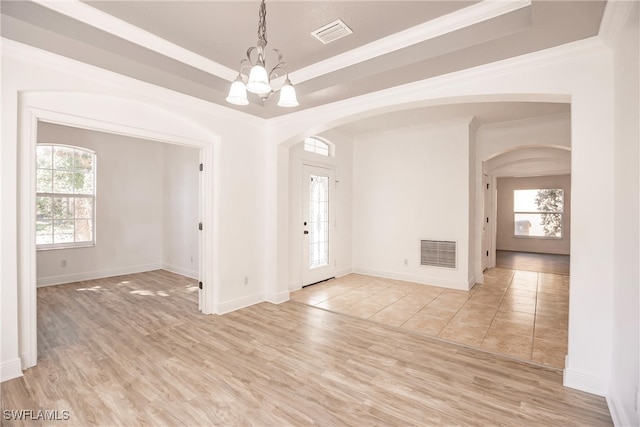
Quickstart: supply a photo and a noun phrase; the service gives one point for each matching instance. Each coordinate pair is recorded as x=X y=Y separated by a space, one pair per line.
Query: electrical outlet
x=63 y=263
x=191 y=259
x=246 y=281
x=406 y=261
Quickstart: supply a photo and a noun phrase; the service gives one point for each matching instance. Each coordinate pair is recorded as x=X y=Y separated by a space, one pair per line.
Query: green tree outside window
x=65 y=199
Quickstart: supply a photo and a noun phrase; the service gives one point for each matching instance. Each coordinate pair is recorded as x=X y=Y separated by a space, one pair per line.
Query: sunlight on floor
x=149 y=293
x=93 y=288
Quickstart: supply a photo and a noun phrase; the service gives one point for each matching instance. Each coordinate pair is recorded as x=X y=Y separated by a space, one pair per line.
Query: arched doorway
x=112 y=115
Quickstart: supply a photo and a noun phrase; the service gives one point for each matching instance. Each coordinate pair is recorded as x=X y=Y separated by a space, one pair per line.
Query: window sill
x=538 y=237
x=56 y=247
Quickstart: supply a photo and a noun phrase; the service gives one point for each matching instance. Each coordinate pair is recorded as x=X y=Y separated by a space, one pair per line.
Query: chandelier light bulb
x=258 y=80
x=288 y=95
x=238 y=93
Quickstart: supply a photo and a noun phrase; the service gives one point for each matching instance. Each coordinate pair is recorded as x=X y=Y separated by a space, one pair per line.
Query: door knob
x=306 y=232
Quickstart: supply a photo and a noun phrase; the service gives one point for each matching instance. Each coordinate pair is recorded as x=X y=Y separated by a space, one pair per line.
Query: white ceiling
x=194 y=47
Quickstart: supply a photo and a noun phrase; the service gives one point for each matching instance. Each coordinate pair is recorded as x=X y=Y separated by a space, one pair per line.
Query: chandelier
x=259 y=80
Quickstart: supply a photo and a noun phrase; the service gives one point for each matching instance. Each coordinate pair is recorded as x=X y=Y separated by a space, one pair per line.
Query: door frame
x=488 y=253
x=332 y=220
x=109 y=114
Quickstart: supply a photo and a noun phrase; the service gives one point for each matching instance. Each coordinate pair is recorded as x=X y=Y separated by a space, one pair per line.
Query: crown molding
x=117 y=27
x=410 y=92
x=110 y=81
x=474 y=124
x=287 y=127
x=616 y=13
x=445 y=24
x=526 y=121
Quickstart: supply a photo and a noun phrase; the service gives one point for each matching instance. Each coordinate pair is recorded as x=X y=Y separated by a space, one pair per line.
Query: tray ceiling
x=195 y=47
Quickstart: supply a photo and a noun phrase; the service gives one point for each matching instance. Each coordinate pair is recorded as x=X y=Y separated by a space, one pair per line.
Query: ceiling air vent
x=332 y=32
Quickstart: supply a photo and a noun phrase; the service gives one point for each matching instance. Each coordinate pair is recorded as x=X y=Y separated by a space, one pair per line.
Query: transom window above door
x=65 y=196
x=317 y=146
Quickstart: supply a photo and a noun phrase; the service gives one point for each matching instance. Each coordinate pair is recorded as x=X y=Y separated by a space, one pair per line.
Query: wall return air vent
x=438 y=253
x=332 y=32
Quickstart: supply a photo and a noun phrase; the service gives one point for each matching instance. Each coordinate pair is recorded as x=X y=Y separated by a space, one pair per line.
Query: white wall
x=251 y=163
x=344 y=209
x=181 y=210
x=580 y=73
x=625 y=333
x=341 y=161
x=505 y=222
x=411 y=184
x=129 y=220
x=237 y=199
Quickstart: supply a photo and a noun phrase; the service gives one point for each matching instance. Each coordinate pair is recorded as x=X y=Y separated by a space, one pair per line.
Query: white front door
x=317 y=224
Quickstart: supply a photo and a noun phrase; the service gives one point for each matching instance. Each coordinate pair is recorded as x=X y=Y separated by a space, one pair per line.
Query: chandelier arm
x=277 y=51
x=279 y=66
x=244 y=66
x=249 y=52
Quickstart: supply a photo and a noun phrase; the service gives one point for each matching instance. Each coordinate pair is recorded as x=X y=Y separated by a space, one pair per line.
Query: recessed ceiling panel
x=223 y=30
x=219 y=32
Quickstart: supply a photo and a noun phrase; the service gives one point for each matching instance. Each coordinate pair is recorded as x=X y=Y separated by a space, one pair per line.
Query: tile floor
x=522 y=314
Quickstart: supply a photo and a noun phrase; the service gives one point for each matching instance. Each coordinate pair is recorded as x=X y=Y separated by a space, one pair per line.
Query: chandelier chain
x=262 y=24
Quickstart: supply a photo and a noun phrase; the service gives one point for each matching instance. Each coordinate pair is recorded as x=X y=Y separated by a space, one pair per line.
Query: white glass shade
x=238 y=93
x=258 y=80
x=288 y=95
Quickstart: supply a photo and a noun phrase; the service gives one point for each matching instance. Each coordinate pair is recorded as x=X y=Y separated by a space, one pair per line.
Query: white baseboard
x=192 y=274
x=619 y=416
x=465 y=286
x=344 y=271
x=237 y=304
x=585 y=382
x=277 y=298
x=92 y=275
x=10 y=369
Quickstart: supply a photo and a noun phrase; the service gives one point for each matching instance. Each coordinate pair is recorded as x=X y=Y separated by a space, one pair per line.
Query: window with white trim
x=538 y=213
x=315 y=145
x=65 y=196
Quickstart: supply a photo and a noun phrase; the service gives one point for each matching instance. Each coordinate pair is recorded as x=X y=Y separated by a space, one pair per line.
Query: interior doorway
x=112 y=115
x=144 y=210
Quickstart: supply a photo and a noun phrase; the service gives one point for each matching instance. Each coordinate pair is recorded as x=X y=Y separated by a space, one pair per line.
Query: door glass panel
x=318 y=221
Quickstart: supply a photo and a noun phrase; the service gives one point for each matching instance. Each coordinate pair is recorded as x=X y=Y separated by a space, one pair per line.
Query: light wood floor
x=134 y=351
